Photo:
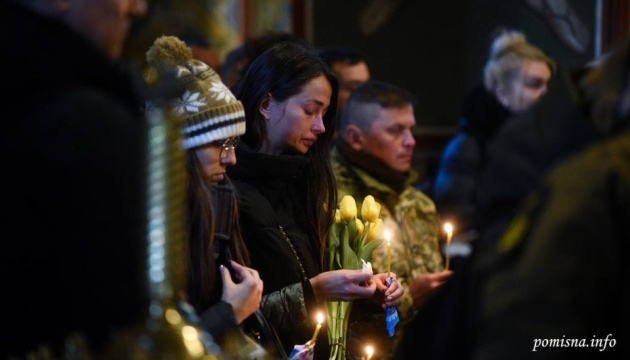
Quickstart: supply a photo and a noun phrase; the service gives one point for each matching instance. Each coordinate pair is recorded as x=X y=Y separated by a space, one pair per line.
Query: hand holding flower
x=343 y=285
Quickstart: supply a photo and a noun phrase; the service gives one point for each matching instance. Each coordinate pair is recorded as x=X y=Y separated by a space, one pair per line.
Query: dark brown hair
x=282 y=71
x=201 y=265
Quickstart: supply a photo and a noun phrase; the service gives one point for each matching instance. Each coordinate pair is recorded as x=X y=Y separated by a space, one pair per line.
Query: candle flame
x=387 y=236
x=320 y=318
x=448 y=227
x=369 y=351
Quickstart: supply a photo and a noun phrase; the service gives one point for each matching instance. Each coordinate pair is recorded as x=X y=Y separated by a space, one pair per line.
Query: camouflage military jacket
x=410 y=216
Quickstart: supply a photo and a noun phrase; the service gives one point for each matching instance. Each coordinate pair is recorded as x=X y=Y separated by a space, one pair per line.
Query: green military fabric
x=412 y=220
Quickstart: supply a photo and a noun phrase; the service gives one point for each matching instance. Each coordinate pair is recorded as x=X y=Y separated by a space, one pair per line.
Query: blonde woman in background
x=515 y=77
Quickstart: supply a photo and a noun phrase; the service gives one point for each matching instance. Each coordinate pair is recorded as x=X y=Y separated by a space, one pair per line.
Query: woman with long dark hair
x=221 y=288
x=288 y=195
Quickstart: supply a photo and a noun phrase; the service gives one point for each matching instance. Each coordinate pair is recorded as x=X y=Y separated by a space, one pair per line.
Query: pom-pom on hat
x=210 y=110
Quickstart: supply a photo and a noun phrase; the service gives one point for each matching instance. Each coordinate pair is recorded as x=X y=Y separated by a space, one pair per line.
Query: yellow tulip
x=337 y=216
x=375 y=230
x=360 y=226
x=369 y=209
x=348 y=208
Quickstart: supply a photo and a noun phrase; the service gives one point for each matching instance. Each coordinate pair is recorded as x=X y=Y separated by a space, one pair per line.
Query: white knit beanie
x=210 y=109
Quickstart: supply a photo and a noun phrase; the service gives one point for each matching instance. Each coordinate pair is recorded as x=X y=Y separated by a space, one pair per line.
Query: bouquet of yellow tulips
x=351 y=242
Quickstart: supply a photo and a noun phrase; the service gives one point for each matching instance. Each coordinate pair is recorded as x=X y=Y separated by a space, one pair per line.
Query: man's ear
x=354 y=137
x=263 y=109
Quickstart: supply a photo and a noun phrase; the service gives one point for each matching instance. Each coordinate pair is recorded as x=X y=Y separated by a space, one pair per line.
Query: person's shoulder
x=335 y=162
x=81 y=121
x=98 y=101
x=606 y=161
x=96 y=115
x=412 y=196
x=462 y=141
x=462 y=146
x=614 y=149
x=342 y=172
x=248 y=193
x=344 y=178
x=253 y=205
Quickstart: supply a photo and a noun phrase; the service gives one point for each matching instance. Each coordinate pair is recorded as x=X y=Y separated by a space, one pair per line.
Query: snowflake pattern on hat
x=221 y=92
x=210 y=111
x=189 y=103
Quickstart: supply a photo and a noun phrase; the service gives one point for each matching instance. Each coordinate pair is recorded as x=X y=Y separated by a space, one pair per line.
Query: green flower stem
x=346 y=249
x=366 y=232
x=338 y=315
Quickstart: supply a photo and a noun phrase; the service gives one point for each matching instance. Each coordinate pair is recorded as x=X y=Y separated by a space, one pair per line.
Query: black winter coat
x=273 y=196
x=457 y=178
x=71 y=149
x=527 y=147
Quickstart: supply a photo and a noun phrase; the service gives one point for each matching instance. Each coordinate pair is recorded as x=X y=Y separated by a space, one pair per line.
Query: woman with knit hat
x=221 y=288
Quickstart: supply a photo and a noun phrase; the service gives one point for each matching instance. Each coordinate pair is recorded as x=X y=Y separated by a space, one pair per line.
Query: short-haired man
x=350 y=68
x=373 y=156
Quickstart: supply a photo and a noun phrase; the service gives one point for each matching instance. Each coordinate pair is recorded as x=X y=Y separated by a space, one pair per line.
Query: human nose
x=318 y=124
x=408 y=138
x=229 y=158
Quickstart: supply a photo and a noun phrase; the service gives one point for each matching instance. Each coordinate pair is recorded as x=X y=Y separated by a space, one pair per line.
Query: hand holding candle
x=369 y=351
x=449 y=234
x=320 y=319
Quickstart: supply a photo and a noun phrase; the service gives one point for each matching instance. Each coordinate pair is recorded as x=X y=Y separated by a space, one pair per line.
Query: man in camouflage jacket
x=372 y=156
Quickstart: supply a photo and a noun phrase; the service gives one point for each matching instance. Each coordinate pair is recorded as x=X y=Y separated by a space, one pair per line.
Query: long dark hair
x=282 y=71
x=201 y=265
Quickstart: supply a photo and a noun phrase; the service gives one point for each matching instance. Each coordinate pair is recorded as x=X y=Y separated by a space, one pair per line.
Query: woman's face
x=525 y=90
x=214 y=158
x=294 y=124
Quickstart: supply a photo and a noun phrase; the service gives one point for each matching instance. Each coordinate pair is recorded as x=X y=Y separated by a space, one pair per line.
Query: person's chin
x=301 y=149
x=403 y=168
x=217 y=178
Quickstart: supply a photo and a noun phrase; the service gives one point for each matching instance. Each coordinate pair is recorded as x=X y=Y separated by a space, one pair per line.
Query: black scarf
x=377 y=168
x=482 y=115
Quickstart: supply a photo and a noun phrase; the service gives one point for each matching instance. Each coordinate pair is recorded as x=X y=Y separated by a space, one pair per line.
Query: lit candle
x=369 y=351
x=389 y=252
x=449 y=234
x=320 y=319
